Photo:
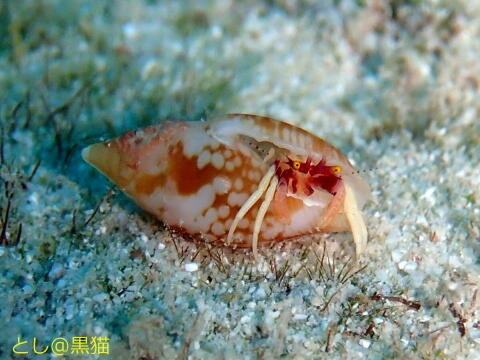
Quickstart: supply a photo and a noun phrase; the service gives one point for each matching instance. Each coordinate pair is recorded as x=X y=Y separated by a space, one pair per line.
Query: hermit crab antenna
x=261 y=213
x=257 y=194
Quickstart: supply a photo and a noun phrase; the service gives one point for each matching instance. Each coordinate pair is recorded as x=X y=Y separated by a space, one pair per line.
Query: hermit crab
x=237 y=180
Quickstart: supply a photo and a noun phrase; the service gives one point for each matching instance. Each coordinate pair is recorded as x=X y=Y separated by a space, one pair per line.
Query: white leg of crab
x=355 y=219
x=257 y=194
x=261 y=213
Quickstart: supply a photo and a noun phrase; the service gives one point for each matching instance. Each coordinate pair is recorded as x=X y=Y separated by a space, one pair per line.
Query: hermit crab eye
x=296 y=165
x=336 y=169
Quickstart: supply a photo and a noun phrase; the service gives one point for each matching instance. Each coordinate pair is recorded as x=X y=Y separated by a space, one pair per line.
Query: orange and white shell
x=216 y=180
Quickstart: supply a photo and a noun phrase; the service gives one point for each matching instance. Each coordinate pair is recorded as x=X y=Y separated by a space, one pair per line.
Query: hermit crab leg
x=261 y=213
x=257 y=194
x=355 y=219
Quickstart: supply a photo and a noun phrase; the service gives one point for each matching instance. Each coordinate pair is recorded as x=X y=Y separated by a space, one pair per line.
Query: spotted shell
x=198 y=177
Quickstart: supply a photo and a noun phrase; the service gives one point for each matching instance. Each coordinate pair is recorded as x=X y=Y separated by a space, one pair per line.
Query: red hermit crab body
x=238 y=180
x=315 y=176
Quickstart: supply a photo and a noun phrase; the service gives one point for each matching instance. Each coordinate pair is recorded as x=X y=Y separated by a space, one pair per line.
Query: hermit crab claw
x=355 y=220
